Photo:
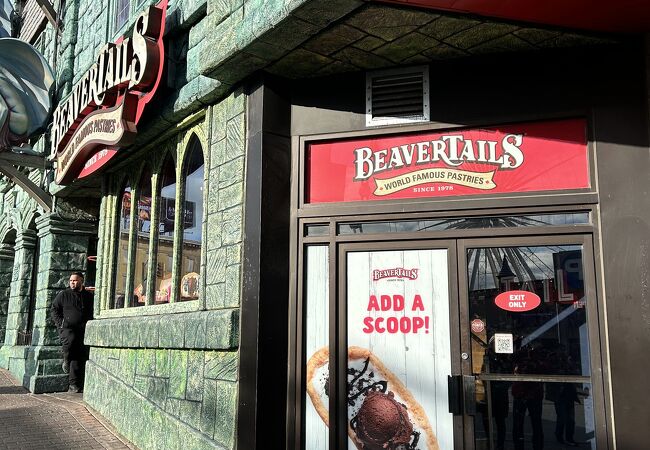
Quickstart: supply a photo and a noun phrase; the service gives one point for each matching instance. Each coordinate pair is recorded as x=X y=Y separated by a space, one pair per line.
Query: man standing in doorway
x=70 y=311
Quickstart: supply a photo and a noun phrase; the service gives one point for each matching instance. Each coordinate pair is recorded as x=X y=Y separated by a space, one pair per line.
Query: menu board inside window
x=528 y=157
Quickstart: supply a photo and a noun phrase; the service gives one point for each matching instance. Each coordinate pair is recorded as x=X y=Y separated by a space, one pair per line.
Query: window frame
x=122 y=183
x=135 y=6
x=156 y=203
x=188 y=150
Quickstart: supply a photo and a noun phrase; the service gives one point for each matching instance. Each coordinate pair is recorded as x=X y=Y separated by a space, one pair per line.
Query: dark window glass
x=542 y=332
x=192 y=222
x=143 y=233
x=121 y=266
x=166 y=231
x=459 y=223
x=122 y=10
x=534 y=415
x=317 y=230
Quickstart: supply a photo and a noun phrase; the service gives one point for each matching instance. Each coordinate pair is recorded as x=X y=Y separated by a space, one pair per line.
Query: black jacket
x=72 y=309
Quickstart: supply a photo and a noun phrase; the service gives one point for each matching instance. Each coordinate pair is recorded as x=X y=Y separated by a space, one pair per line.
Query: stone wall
x=167 y=381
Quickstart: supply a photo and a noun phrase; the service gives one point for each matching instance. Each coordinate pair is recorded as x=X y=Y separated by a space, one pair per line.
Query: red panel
x=541 y=156
x=625 y=16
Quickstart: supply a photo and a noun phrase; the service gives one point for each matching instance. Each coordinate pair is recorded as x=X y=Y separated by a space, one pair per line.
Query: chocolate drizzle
x=363 y=382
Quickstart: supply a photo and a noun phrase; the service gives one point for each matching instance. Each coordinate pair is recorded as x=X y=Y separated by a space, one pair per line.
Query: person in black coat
x=70 y=311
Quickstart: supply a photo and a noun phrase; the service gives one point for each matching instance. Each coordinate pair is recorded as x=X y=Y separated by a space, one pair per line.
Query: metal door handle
x=469 y=394
x=454 y=391
x=462 y=394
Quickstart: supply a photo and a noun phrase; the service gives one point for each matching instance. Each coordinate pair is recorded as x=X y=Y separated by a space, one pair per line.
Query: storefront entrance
x=445 y=339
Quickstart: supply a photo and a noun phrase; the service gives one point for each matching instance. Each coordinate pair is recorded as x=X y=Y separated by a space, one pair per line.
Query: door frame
x=585 y=234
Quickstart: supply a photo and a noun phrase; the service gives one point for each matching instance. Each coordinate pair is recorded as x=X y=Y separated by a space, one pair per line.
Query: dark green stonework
x=192 y=391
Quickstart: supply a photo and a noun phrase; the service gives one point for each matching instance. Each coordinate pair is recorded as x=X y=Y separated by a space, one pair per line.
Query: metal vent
x=397 y=96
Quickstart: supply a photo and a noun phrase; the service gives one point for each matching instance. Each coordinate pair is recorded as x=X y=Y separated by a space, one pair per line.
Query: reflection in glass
x=164 y=255
x=411 y=226
x=122 y=9
x=143 y=232
x=317 y=230
x=316 y=337
x=192 y=222
x=534 y=415
x=549 y=339
x=123 y=228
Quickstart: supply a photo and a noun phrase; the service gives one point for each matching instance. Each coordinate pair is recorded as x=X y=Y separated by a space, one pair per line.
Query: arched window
x=192 y=221
x=122 y=253
x=7 y=254
x=166 y=227
x=143 y=233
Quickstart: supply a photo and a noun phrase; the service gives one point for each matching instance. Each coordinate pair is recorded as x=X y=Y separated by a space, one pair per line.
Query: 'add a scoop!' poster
x=539 y=156
x=398 y=349
x=398 y=352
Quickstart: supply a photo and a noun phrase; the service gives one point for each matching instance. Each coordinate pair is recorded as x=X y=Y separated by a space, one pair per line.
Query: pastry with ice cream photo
x=382 y=413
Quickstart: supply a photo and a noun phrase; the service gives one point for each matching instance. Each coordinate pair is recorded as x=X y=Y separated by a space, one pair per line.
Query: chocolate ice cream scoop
x=382 y=422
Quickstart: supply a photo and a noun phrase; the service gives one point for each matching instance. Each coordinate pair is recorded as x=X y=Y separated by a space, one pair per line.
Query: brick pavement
x=51 y=421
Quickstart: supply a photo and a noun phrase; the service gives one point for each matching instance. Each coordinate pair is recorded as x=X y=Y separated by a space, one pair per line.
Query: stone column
x=21 y=283
x=6 y=269
x=13 y=351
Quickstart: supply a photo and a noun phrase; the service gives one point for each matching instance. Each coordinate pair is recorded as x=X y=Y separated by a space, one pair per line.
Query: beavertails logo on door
x=538 y=156
x=398 y=272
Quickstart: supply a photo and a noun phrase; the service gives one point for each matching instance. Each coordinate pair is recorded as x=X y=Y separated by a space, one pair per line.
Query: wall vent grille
x=397 y=96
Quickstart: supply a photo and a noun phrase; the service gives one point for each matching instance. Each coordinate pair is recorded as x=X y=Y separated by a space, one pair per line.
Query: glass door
x=528 y=317
x=476 y=344
x=393 y=341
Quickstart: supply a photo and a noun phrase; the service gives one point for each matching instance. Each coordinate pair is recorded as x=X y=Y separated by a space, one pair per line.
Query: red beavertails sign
x=540 y=156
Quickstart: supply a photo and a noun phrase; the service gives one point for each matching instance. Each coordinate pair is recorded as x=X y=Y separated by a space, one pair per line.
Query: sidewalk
x=50 y=421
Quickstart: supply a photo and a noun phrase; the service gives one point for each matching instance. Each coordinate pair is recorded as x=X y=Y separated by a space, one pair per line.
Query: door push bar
x=462 y=394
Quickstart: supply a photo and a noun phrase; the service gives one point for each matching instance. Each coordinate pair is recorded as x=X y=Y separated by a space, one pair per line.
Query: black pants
x=566 y=419
x=534 y=408
x=72 y=342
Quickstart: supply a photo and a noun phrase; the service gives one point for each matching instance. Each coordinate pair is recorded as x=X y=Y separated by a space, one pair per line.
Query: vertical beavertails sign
x=105 y=105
